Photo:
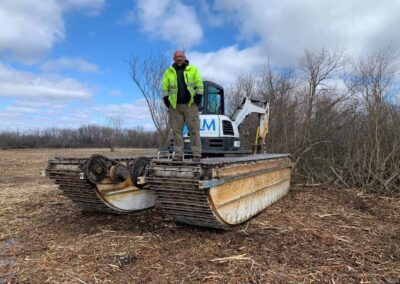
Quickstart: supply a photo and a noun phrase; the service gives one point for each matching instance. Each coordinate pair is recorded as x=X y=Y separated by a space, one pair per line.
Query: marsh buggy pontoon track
x=219 y=192
x=215 y=193
x=70 y=174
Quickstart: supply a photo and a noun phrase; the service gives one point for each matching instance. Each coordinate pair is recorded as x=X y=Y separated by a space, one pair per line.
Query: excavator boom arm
x=248 y=107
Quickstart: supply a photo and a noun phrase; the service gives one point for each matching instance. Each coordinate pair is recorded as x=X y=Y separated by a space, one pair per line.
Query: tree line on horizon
x=86 y=136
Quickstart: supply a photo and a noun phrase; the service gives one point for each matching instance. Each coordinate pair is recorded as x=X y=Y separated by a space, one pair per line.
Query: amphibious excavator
x=227 y=187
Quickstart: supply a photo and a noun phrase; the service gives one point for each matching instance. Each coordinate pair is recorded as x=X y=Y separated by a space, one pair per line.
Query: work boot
x=177 y=158
x=196 y=159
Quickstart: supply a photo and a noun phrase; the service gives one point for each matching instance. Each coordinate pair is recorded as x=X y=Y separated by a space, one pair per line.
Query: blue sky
x=64 y=63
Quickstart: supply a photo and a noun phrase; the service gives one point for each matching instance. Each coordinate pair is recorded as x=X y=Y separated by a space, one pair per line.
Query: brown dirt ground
x=317 y=235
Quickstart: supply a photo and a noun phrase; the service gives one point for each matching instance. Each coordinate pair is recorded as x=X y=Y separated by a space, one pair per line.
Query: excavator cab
x=213 y=99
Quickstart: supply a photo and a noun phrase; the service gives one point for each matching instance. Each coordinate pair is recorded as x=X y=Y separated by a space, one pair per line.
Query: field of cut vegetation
x=313 y=235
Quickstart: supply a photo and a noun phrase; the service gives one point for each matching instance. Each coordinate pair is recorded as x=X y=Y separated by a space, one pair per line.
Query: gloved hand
x=197 y=99
x=166 y=101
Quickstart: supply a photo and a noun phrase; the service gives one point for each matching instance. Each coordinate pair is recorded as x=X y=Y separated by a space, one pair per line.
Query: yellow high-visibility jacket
x=192 y=79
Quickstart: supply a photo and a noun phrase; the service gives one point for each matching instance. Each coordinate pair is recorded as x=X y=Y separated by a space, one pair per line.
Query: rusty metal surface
x=66 y=174
x=250 y=167
x=103 y=197
x=180 y=196
x=237 y=201
x=241 y=159
x=221 y=161
x=219 y=192
x=216 y=193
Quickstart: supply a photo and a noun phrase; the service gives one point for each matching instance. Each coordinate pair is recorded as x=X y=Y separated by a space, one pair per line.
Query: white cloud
x=64 y=63
x=17 y=84
x=30 y=28
x=211 y=18
x=170 y=20
x=127 y=111
x=28 y=114
x=224 y=65
x=282 y=30
x=42 y=101
x=286 y=28
x=42 y=114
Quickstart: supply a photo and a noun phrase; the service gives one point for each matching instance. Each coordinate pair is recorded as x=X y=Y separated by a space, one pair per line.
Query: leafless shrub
x=113 y=129
x=373 y=152
x=147 y=73
x=336 y=118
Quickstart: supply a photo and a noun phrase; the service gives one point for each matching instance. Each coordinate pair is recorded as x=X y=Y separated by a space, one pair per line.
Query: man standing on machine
x=182 y=93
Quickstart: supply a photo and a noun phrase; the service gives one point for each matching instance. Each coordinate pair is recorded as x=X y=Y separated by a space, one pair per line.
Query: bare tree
x=114 y=123
x=243 y=86
x=267 y=85
x=318 y=68
x=147 y=74
x=374 y=154
x=277 y=88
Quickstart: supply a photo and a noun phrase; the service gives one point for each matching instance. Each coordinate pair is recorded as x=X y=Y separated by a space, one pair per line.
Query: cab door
x=213 y=99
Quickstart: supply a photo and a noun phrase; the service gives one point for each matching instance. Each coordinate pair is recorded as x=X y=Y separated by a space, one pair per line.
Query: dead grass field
x=313 y=235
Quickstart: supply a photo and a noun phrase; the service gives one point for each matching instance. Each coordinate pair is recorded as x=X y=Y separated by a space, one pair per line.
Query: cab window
x=214 y=100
